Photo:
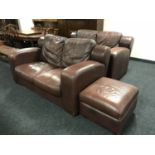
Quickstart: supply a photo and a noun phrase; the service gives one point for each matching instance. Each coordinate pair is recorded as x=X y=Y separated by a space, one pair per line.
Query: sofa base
x=109 y=103
x=104 y=120
x=39 y=91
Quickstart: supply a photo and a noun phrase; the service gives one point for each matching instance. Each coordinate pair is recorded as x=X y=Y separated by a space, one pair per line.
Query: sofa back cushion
x=52 y=49
x=108 y=38
x=77 y=50
x=89 y=34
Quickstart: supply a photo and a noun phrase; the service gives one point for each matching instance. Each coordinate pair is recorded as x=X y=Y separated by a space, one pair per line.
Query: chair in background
x=121 y=47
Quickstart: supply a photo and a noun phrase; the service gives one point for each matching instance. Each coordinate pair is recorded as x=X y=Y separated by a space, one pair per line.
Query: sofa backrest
x=77 y=50
x=52 y=49
x=108 y=38
x=62 y=52
x=89 y=34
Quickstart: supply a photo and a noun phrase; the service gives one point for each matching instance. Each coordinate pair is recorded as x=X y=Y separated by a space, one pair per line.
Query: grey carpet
x=25 y=112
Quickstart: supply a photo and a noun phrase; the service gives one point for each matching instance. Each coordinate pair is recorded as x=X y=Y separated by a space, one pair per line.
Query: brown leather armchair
x=60 y=69
x=121 y=47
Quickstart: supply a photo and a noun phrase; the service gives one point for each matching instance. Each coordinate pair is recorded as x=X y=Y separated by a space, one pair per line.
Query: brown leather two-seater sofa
x=61 y=68
x=120 y=45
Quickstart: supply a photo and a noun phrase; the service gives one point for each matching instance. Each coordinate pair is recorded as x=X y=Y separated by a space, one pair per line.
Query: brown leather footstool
x=109 y=103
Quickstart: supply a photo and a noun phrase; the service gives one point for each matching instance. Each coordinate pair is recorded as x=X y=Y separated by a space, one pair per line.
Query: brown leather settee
x=61 y=68
x=120 y=45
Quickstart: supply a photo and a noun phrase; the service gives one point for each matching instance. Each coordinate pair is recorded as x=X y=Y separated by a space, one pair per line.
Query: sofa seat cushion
x=31 y=70
x=109 y=96
x=49 y=81
x=89 y=34
x=108 y=38
x=77 y=50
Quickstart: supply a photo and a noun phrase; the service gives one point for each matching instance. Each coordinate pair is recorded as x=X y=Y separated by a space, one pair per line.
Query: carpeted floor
x=25 y=112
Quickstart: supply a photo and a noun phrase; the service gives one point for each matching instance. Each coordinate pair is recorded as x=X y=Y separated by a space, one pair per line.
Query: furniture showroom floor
x=24 y=112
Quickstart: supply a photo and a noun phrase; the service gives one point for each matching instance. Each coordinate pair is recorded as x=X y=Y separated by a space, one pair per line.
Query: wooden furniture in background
x=45 y=20
x=20 y=38
x=29 y=37
x=62 y=27
x=4 y=22
x=10 y=32
x=66 y=26
x=46 y=25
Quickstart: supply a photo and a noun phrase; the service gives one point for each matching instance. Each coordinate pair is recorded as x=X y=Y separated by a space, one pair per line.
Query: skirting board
x=142 y=60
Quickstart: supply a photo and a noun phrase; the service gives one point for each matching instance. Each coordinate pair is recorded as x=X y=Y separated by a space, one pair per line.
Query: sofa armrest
x=118 y=62
x=127 y=41
x=73 y=34
x=75 y=78
x=120 y=50
x=25 y=55
x=102 y=55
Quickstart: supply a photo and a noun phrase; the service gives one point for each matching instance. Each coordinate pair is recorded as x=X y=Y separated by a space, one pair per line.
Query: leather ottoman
x=108 y=103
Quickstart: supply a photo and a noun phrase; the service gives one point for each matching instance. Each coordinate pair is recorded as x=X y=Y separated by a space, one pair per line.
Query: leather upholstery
x=98 y=54
x=62 y=52
x=31 y=70
x=102 y=55
x=58 y=84
x=77 y=77
x=119 y=62
x=108 y=38
x=90 y=34
x=127 y=41
x=110 y=96
x=76 y=50
x=113 y=40
x=101 y=118
x=49 y=81
x=26 y=55
x=52 y=49
x=23 y=56
x=109 y=103
x=106 y=101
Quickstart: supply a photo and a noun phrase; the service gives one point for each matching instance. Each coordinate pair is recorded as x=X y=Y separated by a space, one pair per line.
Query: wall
x=25 y=24
x=142 y=30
